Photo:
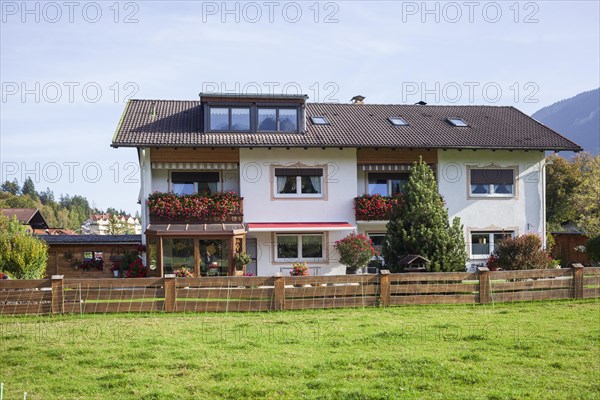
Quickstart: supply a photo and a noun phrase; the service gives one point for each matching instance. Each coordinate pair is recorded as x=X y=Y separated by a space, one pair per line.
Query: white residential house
x=100 y=224
x=299 y=167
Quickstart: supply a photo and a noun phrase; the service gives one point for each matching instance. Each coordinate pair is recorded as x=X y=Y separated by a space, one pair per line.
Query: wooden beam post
x=159 y=255
x=279 y=292
x=56 y=282
x=484 y=285
x=385 y=293
x=170 y=293
x=577 y=289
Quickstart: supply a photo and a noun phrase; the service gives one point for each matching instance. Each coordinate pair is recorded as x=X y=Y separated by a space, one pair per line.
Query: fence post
x=278 y=292
x=56 y=283
x=484 y=285
x=577 y=292
x=385 y=296
x=170 y=293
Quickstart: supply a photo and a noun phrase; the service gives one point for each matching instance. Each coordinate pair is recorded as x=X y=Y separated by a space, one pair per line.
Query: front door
x=251 y=250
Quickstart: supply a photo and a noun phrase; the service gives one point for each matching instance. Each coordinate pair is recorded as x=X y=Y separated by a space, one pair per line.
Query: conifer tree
x=421 y=226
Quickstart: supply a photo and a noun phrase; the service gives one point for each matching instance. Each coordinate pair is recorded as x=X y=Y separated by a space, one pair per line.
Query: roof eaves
x=576 y=148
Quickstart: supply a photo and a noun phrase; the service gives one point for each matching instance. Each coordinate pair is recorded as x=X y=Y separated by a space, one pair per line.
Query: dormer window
x=277 y=119
x=319 y=120
x=252 y=118
x=229 y=119
x=457 y=122
x=398 y=121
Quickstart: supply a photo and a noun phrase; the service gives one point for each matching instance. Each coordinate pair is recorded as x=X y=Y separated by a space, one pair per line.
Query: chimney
x=358 y=99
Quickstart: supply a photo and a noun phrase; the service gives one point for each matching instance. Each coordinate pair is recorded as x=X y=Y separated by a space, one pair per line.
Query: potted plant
x=355 y=252
x=299 y=269
x=241 y=261
x=184 y=272
x=116 y=269
x=96 y=263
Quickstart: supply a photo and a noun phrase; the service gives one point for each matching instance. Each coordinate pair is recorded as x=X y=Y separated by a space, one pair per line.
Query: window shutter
x=298 y=172
x=492 y=176
x=184 y=177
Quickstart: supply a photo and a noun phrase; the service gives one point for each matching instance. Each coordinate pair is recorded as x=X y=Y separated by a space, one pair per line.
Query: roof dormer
x=253 y=113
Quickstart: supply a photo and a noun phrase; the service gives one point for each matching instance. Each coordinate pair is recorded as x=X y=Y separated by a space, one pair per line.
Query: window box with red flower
x=376 y=207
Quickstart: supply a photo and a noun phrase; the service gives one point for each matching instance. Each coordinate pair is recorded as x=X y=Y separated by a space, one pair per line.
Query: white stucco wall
x=267 y=266
x=256 y=185
x=160 y=180
x=259 y=205
x=523 y=213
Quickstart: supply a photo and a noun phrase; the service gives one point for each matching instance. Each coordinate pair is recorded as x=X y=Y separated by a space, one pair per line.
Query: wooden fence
x=232 y=294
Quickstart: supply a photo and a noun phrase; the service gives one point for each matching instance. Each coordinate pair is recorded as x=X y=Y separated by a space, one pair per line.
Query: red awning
x=299 y=226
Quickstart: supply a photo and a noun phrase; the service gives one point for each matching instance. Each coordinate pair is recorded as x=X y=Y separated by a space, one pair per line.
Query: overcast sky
x=68 y=68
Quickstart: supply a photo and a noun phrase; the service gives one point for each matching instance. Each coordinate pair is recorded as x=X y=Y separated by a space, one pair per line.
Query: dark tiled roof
x=26 y=216
x=23 y=215
x=178 y=123
x=92 y=239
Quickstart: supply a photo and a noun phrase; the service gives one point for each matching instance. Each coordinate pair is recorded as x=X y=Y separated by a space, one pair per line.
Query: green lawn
x=509 y=351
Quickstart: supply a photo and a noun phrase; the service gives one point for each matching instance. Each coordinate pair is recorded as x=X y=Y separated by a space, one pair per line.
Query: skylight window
x=319 y=120
x=457 y=122
x=398 y=121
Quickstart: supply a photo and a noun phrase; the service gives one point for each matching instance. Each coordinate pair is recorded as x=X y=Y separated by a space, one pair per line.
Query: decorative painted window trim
x=298 y=195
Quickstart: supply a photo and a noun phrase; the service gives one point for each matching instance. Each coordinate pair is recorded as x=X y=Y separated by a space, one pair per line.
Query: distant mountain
x=577 y=118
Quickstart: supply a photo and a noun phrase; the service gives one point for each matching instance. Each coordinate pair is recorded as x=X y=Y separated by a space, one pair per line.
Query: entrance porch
x=204 y=249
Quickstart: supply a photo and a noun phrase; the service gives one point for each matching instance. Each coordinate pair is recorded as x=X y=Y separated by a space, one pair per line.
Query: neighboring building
x=299 y=166
x=104 y=224
x=569 y=245
x=30 y=217
x=66 y=252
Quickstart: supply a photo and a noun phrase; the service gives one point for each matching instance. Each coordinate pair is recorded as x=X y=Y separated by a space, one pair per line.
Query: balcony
x=167 y=208
x=376 y=207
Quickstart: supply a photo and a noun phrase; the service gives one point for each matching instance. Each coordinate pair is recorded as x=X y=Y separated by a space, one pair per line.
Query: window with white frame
x=387 y=184
x=299 y=247
x=499 y=182
x=377 y=239
x=194 y=182
x=484 y=243
x=298 y=182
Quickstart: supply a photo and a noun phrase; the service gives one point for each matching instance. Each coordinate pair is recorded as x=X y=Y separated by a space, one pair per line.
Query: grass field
x=510 y=351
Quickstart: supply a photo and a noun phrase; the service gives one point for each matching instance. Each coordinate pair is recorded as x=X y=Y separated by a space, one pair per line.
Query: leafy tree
x=421 y=226
x=22 y=256
x=117 y=226
x=114 y=211
x=21 y=202
x=572 y=192
x=11 y=187
x=29 y=189
x=46 y=196
x=562 y=180
x=586 y=200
